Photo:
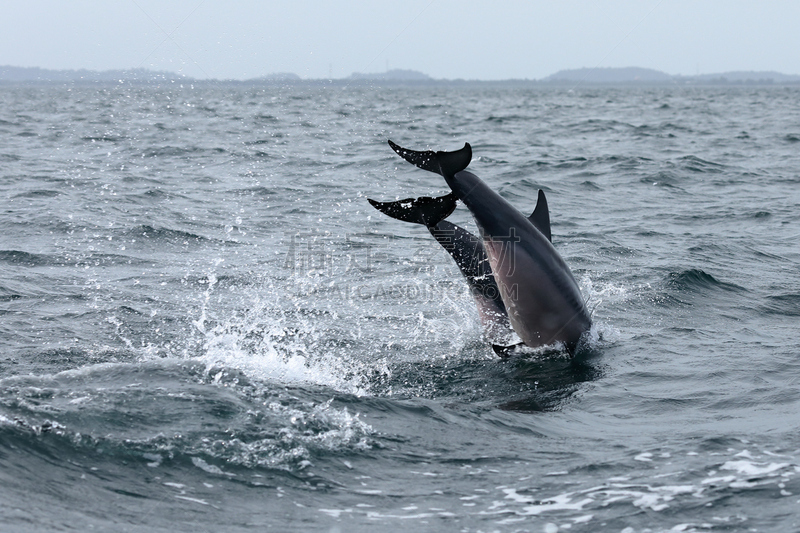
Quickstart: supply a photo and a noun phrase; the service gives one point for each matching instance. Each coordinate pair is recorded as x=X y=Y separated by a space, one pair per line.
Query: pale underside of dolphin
x=541 y=298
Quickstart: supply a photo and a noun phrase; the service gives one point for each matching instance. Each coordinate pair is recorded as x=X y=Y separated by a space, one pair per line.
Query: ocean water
x=204 y=326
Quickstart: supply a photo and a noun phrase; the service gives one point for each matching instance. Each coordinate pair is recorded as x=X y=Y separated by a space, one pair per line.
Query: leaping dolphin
x=541 y=297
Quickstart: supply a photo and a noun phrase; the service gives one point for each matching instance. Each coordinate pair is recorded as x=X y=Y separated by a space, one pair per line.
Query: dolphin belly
x=541 y=296
x=542 y=308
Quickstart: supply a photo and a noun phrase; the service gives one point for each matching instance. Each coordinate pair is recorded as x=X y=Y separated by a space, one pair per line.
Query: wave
x=496 y=119
x=28 y=259
x=166 y=235
x=20 y=258
x=38 y=193
x=172 y=412
x=103 y=139
x=695 y=164
x=263 y=117
x=694 y=280
x=591 y=185
x=596 y=125
x=541 y=380
x=180 y=151
x=257 y=191
x=157 y=193
x=782 y=304
x=628 y=162
x=664 y=178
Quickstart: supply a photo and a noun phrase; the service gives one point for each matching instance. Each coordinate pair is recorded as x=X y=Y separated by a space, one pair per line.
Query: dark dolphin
x=466 y=250
x=542 y=298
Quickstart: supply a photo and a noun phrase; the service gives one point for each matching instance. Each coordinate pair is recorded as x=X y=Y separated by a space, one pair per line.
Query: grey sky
x=443 y=38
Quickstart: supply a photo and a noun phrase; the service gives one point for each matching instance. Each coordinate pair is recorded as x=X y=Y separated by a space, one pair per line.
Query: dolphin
x=466 y=250
x=540 y=294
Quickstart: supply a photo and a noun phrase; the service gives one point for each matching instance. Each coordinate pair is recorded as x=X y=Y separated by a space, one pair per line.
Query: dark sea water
x=204 y=326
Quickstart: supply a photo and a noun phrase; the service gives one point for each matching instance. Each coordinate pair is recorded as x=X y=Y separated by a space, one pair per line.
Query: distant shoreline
x=606 y=77
x=342 y=84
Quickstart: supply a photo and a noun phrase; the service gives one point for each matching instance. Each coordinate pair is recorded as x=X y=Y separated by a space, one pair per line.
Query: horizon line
x=419 y=76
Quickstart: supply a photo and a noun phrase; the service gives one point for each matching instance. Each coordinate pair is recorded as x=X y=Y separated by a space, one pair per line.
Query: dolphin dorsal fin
x=442 y=163
x=540 y=217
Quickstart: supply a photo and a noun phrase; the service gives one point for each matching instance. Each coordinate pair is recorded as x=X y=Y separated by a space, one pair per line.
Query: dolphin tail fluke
x=443 y=163
x=425 y=210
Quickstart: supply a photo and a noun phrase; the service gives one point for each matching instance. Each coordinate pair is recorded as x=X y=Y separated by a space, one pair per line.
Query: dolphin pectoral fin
x=443 y=163
x=506 y=351
x=425 y=210
x=540 y=217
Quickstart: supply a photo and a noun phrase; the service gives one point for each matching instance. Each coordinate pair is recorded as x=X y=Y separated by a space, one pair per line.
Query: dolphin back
x=443 y=163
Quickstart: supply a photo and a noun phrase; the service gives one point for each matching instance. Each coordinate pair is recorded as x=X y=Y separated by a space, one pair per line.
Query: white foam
x=718 y=480
x=294 y=338
x=745 y=474
x=273 y=362
x=154 y=458
x=377 y=516
x=288 y=355
x=211 y=469
x=335 y=513
x=561 y=502
x=751 y=468
x=193 y=500
x=292 y=445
